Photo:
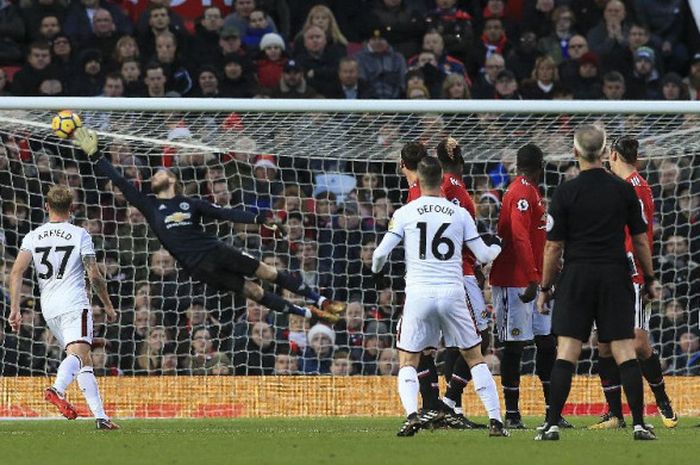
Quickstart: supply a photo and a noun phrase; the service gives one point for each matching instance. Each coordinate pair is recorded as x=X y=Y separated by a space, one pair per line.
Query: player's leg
x=276 y=303
x=408 y=391
x=88 y=386
x=631 y=377
x=651 y=370
x=67 y=371
x=428 y=381
x=612 y=389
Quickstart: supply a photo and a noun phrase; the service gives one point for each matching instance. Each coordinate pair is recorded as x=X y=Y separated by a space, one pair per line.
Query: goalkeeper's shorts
x=225 y=268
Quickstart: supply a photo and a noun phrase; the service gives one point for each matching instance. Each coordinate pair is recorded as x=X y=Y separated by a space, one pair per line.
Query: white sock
x=88 y=384
x=449 y=402
x=485 y=387
x=408 y=389
x=459 y=410
x=67 y=370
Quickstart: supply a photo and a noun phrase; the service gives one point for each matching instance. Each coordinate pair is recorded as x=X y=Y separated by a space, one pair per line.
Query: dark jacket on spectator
x=324 y=66
x=385 y=72
x=455 y=26
x=362 y=91
x=26 y=81
x=640 y=88
x=204 y=46
x=402 y=26
x=34 y=13
x=301 y=91
x=12 y=34
x=78 y=24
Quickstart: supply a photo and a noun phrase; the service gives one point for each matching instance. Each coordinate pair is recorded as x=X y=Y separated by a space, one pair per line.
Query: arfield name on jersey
x=58 y=233
x=434 y=208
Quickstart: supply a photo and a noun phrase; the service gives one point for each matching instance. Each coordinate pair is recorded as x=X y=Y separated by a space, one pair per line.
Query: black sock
x=510 y=375
x=452 y=354
x=278 y=304
x=651 y=369
x=631 y=377
x=461 y=374
x=562 y=372
x=294 y=283
x=544 y=360
x=610 y=380
x=428 y=380
x=485 y=340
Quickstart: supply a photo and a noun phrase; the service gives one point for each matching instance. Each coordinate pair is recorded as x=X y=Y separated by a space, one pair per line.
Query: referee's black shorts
x=594 y=292
x=225 y=268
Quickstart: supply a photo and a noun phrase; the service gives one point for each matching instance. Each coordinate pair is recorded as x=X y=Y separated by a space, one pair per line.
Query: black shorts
x=225 y=268
x=594 y=292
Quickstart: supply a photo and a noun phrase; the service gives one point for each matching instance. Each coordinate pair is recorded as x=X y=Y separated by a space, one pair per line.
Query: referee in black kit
x=589 y=215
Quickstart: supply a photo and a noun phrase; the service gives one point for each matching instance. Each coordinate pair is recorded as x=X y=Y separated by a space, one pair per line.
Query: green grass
x=332 y=441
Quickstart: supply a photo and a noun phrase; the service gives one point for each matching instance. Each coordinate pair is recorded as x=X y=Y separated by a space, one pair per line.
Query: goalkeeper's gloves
x=86 y=140
x=272 y=222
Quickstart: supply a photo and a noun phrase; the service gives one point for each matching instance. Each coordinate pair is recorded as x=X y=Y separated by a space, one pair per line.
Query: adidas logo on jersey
x=162 y=207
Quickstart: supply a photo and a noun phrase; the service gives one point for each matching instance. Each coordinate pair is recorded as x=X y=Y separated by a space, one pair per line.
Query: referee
x=589 y=215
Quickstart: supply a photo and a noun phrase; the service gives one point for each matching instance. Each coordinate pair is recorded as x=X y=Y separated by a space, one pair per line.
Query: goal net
x=329 y=169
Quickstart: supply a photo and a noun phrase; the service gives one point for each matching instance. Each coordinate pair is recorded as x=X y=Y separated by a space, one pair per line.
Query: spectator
x=537 y=16
x=159 y=22
x=382 y=67
x=388 y=363
x=402 y=24
x=374 y=341
x=90 y=78
x=32 y=11
x=493 y=41
x=292 y=83
x=258 y=26
x=348 y=84
x=240 y=17
x=37 y=69
x=687 y=361
x=207 y=83
x=611 y=31
x=200 y=351
x=273 y=58
x=114 y=86
x=568 y=69
x=318 y=59
x=521 y=59
x=49 y=27
x=665 y=21
x=692 y=82
x=645 y=82
x=621 y=57
x=238 y=80
x=150 y=352
x=125 y=49
x=286 y=364
x=672 y=88
x=133 y=85
x=485 y=86
x=321 y=16
x=587 y=84
x=177 y=76
x=613 y=86
x=78 y=21
x=417 y=92
x=506 y=86
x=431 y=73
x=454 y=25
x=298 y=327
x=205 y=43
x=433 y=41
x=555 y=44
x=544 y=78
x=63 y=56
x=349 y=329
x=454 y=88
x=156 y=81
x=341 y=365
x=175 y=21
x=318 y=354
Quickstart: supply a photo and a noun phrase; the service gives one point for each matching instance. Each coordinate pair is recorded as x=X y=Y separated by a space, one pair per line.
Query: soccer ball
x=64 y=123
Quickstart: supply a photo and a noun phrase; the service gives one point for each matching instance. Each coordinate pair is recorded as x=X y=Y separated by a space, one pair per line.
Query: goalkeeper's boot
x=564 y=423
x=410 y=427
x=547 y=433
x=497 y=429
x=459 y=421
x=514 y=421
x=333 y=306
x=324 y=315
x=107 y=424
x=643 y=434
x=65 y=407
x=668 y=416
x=609 y=421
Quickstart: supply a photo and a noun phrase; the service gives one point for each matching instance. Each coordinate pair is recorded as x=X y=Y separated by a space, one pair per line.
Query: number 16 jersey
x=57 y=250
x=434 y=231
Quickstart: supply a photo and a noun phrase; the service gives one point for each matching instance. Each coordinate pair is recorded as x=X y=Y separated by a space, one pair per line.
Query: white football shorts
x=516 y=320
x=72 y=327
x=428 y=312
x=476 y=302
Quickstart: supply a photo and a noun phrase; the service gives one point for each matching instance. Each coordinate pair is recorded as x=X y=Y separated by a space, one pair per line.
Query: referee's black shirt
x=590 y=213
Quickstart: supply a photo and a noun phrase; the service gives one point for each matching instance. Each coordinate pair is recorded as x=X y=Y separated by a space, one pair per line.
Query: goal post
x=329 y=169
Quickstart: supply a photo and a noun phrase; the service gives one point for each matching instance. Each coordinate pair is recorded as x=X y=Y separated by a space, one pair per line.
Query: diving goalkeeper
x=176 y=221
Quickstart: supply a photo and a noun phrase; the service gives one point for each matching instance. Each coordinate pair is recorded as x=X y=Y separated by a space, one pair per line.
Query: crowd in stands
x=335 y=215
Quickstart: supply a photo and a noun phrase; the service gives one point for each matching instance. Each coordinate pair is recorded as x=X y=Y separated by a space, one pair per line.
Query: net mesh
x=289 y=163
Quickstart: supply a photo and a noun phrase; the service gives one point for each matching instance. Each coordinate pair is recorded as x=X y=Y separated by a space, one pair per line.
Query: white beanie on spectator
x=271 y=38
x=320 y=328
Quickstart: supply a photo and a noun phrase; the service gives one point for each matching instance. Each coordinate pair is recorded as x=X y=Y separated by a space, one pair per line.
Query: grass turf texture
x=333 y=441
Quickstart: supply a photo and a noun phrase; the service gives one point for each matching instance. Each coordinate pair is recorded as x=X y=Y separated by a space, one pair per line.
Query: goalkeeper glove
x=86 y=140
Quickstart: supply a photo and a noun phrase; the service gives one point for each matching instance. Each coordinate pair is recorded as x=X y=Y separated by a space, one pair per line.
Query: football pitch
x=332 y=441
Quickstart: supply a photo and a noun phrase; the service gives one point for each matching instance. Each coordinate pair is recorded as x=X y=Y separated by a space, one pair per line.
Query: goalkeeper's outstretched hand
x=86 y=140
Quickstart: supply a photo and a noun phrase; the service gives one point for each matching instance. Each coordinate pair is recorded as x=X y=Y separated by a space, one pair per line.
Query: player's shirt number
x=435 y=243
x=45 y=251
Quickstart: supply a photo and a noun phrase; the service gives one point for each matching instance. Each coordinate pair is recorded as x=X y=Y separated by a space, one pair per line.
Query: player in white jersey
x=434 y=231
x=62 y=253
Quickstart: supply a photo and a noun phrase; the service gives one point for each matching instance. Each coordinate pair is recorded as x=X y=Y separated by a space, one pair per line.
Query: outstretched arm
x=235 y=215
x=99 y=285
x=381 y=253
x=24 y=258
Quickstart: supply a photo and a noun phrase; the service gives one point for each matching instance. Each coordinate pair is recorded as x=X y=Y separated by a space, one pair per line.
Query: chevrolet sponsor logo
x=177 y=217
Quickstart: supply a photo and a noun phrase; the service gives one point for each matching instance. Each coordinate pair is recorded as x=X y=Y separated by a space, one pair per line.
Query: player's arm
x=24 y=258
x=235 y=215
x=483 y=253
x=520 y=222
x=638 y=227
x=99 y=285
x=391 y=239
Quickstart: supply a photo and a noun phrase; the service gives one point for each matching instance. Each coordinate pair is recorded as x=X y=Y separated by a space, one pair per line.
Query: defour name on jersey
x=434 y=208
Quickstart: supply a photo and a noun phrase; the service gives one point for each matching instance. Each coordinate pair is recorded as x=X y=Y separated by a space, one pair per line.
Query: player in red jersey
x=623 y=160
x=514 y=278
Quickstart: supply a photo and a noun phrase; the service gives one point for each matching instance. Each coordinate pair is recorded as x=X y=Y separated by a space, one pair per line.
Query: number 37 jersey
x=57 y=250
x=434 y=231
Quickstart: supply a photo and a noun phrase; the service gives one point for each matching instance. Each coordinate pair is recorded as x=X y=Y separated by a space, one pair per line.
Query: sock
x=287 y=280
x=278 y=304
x=651 y=370
x=428 y=378
x=88 y=384
x=510 y=375
x=631 y=377
x=562 y=372
x=485 y=387
x=460 y=377
x=544 y=361
x=408 y=389
x=610 y=380
x=451 y=356
x=485 y=340
x=67 y=370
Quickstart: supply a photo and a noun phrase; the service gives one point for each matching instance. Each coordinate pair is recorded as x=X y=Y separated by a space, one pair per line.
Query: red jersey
x=646 y=201
x=413 y=192
x=523 y=226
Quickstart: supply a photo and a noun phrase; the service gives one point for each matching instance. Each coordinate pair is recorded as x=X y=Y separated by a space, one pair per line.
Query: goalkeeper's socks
x=610 y=380
x=294 y=283
x=428 y=379
x=88 y=385
x=278 y=304
x=651 y=370
x=485 y=388
x=510 y=375
x=544 y=360
x=408 y=389
x=67 y=370
x=631 y=377
x=460 y=377
x=562 y=372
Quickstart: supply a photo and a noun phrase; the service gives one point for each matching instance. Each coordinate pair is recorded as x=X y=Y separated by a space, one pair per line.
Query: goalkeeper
x=176 y=221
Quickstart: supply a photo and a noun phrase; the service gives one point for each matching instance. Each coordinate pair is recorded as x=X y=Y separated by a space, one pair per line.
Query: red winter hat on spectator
x=590 y=58
x=265 y=161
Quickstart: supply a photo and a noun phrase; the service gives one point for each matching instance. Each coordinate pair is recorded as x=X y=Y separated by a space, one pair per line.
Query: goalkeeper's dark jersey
x=177 y=221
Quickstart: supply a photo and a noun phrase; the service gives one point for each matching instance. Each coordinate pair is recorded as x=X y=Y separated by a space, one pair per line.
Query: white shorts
x=430 y=311
x=72 y=327
x=516 y=320
x=476 y=302
x=642 y=314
